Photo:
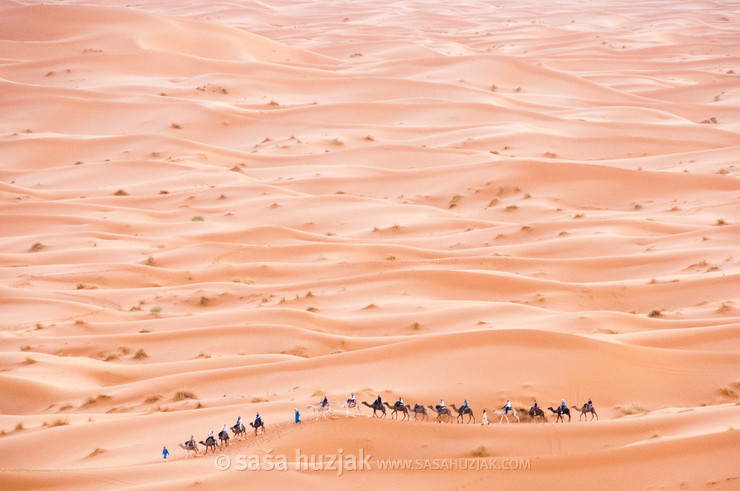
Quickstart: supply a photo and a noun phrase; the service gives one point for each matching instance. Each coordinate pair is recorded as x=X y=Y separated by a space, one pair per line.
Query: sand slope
x=210 y=209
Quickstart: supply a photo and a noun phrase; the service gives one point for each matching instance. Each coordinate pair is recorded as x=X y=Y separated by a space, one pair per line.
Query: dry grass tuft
x=60 y=422
x=152 y=398
x=629 y=409
x=182 y=395
x=481 y=451
x=141 y=354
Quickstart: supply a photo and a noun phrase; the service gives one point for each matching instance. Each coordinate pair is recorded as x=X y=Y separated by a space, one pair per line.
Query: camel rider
x=239 y=423
x=399 y=402
x=562 y=405
x=210 y=435
x=324 y=403
x=225 y=429
x=536 y=406
x=442 y=404
x=352 y=399
x=378 y=401
x=257 y=420
x=465 y=406
x=590 y=405
x=190 y=442
x=507 y=407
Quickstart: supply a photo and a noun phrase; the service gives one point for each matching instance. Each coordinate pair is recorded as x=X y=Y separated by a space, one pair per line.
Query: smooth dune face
x=210 y=209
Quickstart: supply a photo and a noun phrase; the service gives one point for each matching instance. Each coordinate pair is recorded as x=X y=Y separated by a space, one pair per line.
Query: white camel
x=190 y=446
x=321 y=410
x=504 y=415
x=350 y=405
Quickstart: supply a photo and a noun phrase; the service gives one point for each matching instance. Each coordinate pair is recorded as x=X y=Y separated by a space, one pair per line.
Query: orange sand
x=272 y=201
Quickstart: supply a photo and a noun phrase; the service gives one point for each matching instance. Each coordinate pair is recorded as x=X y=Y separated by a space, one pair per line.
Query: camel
x=419 y=409
x=535 y=412
x=398 y=408
x=560 y=411
x=504 y=415
x=350 y=405
x=260 y=425
x=585 y=410
x=442 y=411
x=321 y=410
x=223 y=437
x=239 y=431
x=190 y=446
x=209 y=443
x=462 y=412
x=376 y=406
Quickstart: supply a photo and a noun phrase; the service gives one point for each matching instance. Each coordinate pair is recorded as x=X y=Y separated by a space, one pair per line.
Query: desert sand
x=210 y=209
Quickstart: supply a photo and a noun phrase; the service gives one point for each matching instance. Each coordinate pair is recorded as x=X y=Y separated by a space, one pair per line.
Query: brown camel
x=190 y=446
x=223 y=437
x=535 y=412
x=585 y=410
x=239 y=431
x=398 y=408
x=419 y=409
x=462 y=412
x=560 y=411
x=209 y=443
x=376 y=406
x=442 y=411
x=260 y=426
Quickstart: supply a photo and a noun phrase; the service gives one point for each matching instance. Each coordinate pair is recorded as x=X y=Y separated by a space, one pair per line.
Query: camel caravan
x=462 y=414
x=239 y=431
x=398 y=410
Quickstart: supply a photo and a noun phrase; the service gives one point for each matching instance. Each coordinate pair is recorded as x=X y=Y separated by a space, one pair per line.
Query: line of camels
x=445 y=414
x=452 y=413
x=223 y=438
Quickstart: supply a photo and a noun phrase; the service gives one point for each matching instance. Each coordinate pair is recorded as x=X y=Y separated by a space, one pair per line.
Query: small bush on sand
x=60 y=422
x=182 y=395
x=629 y=409
x=480 y=451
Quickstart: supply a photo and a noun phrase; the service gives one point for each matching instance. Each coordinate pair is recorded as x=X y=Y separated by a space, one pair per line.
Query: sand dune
x=214 y=209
